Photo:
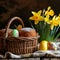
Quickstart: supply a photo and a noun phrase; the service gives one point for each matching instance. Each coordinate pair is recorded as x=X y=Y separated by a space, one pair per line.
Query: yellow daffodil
x=46 y=19
x=58 y=18
x=53 y=22
x=49 y=11
x=36 y=17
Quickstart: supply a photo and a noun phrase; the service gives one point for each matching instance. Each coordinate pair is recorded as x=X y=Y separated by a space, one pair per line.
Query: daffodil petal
x=59 y=23
x=36 y=22
x=46 y=12
x=39 y=12
x=31 y=18
x=41 y=18
x=49 y=7
x=54 y=17
x=33 y=12
x=46 y=18
x=52 y=26
x=51 y=12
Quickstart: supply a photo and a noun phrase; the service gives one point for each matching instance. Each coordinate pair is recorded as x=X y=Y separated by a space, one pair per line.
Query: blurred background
x=23 y=8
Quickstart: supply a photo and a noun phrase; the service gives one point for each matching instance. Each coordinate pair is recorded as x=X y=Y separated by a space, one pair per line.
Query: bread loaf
x=27 y=32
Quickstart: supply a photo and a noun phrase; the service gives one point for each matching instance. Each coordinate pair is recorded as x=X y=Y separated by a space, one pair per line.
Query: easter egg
x=19 y=27
x=15 y=33
x=52 y=46
x=43 y=45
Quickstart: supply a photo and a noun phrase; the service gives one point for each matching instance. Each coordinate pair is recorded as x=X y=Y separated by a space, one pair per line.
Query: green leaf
x=57 y=36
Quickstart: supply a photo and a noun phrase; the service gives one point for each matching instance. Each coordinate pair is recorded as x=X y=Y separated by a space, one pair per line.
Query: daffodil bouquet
x=46 y=23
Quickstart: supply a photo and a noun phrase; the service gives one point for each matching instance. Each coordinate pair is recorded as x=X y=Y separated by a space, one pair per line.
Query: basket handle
x=9 y=23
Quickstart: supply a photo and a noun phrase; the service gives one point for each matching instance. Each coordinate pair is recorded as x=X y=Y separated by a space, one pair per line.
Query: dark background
x=23 y=8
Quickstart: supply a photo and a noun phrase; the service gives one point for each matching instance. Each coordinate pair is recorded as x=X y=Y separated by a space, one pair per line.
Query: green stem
x=57 y=36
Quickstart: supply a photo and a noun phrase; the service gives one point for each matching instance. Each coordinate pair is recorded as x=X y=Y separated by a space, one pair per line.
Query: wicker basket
x=20 y=45
x=2 y=40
